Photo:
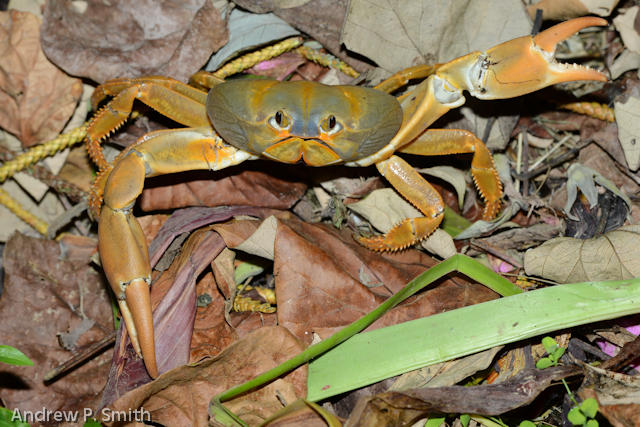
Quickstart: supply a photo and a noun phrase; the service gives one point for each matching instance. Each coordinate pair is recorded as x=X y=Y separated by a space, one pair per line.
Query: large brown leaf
x=319 y=274
x=44 y=296
x=126 y=38
x=265 y=184
x=36 y=98
x=181 y=397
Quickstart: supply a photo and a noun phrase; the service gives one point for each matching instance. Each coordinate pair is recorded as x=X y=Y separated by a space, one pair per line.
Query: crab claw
x=522 y=65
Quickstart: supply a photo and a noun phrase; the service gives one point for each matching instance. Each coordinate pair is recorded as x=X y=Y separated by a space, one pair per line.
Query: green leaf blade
x=13 y=356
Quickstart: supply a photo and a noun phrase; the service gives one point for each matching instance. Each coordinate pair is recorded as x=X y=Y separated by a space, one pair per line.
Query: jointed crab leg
x=453 y=141
x=170 y=97
x=511 y=69
x=418 y=191
x=123 y=249
x=402 y=77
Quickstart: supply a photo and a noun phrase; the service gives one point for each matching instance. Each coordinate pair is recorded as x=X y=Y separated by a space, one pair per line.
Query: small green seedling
x=13 y=356
x=555 y=353
x=527 y=423
x=582 y=414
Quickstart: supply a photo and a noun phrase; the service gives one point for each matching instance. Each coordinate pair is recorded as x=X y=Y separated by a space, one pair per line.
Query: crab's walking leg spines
x=435 y=142
x=421 y=194
x=123 y=248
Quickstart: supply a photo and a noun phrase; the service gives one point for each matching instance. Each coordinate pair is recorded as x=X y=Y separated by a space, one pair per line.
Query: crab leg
x=123 y=249
x=402 y=77
x=421 y=194
x=435 y=142
x=514 y=68
x=169 y=97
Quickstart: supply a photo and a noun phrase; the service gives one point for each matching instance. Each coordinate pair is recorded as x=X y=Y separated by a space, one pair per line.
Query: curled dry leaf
x=612 y=256
x=584 y=178
x=36 y=98
x=123 y=38
x=44 y=296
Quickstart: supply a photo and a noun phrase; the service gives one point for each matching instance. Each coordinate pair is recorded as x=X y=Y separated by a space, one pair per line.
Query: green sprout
x=582 y=414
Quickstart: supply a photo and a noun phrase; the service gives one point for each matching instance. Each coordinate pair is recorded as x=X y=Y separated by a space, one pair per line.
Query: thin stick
x=81 y=357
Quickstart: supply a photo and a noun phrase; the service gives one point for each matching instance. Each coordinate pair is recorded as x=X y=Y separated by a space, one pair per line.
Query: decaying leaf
x=625 y=24
x=405 y=33
x=403 y=408
x=584 y=178
x=36 y=98
x=447 y=373
x=320 y=19
x=318 y=271
x=110 y=40
x=453 y=176
x=181 y=397
x=44 y=296
x=628 y=120
x=440 y=243
x=612 y=256
x=252 y=184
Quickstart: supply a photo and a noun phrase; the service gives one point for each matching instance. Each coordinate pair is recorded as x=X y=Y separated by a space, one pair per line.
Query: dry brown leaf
x=626 y=25
x=264 y=184
x=125 y=38
x=627 y=118
x=318 y=271
x=401 y=34
x=612 y=256
x=598 y=159
x=42 y=297
x=181 y=397
x=393 y=409
x=211 y=332
x=36 y=98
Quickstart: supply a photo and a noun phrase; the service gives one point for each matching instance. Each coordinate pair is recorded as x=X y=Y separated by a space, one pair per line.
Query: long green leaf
x=373 y=356
x=474 y=270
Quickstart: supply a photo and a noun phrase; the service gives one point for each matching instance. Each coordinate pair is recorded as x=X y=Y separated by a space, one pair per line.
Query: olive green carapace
x=243 y=114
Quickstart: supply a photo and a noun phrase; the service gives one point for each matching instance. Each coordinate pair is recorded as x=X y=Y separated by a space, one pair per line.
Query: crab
x=308 y=122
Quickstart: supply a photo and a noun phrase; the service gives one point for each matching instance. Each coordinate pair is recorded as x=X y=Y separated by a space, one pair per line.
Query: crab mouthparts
x=313 y=151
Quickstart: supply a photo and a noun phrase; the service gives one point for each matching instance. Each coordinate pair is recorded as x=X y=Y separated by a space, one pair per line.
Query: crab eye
x=330 y=125
x=280 y=121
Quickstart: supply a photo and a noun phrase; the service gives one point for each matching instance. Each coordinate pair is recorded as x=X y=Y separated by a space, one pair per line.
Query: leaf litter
x=323 y=280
